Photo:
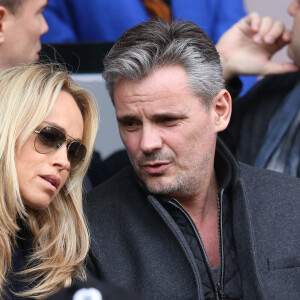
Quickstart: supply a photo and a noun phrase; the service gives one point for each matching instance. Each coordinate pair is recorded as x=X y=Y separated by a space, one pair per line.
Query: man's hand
x=248 y=46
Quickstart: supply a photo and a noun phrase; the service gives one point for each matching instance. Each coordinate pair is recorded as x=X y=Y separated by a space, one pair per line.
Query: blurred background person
x=265 y=126
x=48 y=128
x=21 y=25
x=106 y=20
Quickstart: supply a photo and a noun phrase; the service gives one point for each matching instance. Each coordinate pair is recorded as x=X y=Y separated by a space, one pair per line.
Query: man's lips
x=156 y=168
x=53 y=181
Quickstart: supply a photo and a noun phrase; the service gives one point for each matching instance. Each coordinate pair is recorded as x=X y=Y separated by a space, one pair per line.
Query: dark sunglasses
x=50 y=139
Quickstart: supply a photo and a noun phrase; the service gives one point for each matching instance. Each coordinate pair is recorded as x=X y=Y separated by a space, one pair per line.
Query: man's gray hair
x=155 y=44
x=12 y=5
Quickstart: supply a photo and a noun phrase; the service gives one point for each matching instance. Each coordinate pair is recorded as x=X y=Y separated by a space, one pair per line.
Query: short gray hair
x=155 y=44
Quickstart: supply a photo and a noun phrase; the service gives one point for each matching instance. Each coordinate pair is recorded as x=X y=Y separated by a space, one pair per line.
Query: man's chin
x=162 y=186
x=155 y=185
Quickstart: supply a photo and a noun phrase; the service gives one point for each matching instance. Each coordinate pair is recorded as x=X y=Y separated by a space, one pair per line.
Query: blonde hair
x=60 y=236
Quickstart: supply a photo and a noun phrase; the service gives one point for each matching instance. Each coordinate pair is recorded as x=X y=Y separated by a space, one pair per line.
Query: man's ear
x=3 y=13
x=221 y=108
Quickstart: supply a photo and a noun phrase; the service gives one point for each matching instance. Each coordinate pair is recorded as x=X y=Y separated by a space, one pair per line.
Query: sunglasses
x=50 y=139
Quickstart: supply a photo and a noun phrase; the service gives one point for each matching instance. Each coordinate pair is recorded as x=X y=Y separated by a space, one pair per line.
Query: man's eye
x=130 y=124
x=170 y=121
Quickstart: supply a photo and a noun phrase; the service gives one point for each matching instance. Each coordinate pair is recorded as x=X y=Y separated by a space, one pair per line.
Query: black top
x=20 y=253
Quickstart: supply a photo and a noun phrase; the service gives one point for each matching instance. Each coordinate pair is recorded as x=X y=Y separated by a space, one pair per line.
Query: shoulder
x=273 y=86
x=272 y=222
x=273 y=188
x=272 y=201
x=263 y=99
x=123 y=183
x=121 y=194
x=266 y=176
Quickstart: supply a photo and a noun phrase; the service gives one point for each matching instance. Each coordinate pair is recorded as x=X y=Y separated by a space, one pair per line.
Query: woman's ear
x=221 y=108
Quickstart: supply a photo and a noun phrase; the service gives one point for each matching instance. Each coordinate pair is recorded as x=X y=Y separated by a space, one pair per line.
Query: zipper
x=220 y=284
x=217 y=288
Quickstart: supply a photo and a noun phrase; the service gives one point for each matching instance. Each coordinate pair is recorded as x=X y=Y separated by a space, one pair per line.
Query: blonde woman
x=48 y=126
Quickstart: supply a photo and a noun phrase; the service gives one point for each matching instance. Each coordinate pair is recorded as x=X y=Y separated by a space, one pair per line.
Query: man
x=187 y=221
x=265 y=125
x=21 y=26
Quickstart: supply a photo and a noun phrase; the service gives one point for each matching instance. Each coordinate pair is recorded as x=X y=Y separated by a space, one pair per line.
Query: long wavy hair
x=60 y=235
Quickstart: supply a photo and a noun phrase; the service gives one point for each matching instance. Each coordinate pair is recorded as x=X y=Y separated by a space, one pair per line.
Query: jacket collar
x=228 y=172
x=226 y=166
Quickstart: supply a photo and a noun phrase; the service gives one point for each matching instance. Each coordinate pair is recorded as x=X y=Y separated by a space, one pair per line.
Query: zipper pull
x=221 y=292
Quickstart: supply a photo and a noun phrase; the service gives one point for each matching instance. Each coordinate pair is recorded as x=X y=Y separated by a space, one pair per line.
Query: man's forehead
x=170 y=79
x=155 y=109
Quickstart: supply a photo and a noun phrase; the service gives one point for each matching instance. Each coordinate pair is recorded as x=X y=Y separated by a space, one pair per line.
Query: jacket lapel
x=245 y=246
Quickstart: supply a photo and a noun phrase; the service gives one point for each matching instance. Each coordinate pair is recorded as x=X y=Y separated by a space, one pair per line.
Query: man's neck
x=199 y=206
x=204 y=212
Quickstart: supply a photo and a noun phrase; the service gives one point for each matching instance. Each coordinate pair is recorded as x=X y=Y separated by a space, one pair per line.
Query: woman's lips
x=156 y=168
x=53 y=181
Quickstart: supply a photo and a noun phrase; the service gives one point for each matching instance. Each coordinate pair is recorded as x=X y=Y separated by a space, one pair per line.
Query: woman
x=48 y=127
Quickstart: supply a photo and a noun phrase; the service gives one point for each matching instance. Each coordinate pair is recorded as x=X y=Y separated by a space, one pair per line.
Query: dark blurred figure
x=100 y=170
x=93 y=289
x=264 y=130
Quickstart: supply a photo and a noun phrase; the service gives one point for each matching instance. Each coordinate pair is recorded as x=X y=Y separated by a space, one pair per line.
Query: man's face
x=169 y=135
x=294 y=47
x=22 y=33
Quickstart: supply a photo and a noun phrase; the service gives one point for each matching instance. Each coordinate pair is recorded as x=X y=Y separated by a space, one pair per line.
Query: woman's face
x=41 y=176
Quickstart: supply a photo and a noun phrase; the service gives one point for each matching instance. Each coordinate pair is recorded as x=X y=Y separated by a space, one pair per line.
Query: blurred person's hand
x=248 y=46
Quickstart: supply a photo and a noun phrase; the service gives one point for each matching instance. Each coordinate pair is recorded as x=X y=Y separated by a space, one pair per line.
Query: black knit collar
x=226 y=166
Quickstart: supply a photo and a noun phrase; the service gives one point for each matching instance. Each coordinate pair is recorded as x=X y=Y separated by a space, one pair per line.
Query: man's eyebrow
x=158 y=116
x=126 y=118
x=175 y=115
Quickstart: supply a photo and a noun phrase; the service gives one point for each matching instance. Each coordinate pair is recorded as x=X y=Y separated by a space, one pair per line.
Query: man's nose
x=151 y=139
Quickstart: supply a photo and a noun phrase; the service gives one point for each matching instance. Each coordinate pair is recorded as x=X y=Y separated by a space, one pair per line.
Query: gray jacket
x=136 y=243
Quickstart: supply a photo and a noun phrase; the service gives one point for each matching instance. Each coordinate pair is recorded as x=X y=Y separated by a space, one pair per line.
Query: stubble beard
x=185 y=182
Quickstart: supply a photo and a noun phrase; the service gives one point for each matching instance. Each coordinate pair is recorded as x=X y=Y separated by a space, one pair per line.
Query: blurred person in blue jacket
x=105 y=21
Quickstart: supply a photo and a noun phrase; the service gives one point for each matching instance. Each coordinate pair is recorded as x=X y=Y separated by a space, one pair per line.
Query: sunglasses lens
x=76 y=153
x=49 y=139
